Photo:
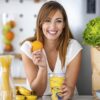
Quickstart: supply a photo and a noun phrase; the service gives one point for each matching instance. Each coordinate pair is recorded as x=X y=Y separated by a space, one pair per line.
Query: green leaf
x=91 y=34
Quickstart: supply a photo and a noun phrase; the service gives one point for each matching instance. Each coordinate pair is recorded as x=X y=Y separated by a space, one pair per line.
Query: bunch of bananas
x=24 y=94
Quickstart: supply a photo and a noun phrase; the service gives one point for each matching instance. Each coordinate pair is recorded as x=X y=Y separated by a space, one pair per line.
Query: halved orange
x=36 y=45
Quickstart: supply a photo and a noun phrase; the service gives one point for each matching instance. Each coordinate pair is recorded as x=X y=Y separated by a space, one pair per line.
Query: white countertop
x=75 y=98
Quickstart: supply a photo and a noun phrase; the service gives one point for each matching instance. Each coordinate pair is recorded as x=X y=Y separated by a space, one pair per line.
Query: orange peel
x=36 y=45
x=9 y=35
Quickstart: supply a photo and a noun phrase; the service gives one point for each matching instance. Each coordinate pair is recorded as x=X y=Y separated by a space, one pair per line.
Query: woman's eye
x=59 y=21
x=47 y=20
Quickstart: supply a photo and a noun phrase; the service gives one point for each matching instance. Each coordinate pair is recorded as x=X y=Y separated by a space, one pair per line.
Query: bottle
x=7 y=89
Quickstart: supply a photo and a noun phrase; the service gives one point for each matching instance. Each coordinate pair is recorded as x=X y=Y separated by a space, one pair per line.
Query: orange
x=36 y=45
x=9 y=35
x=8 y=47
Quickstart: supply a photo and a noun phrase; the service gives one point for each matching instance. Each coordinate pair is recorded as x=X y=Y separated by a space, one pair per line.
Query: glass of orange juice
x=56 y=81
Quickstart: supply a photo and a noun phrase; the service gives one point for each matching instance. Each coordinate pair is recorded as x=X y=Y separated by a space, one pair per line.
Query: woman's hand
x=39 y=58
x=66 y=91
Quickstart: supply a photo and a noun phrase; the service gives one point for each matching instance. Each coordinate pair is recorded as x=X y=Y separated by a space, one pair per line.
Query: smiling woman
x=60 y=53
x=53 y=27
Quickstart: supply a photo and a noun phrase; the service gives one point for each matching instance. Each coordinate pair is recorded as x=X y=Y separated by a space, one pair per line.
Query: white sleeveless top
x=73 y=49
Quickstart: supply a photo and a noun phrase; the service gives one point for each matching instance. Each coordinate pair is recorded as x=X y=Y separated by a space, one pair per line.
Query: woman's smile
x=52 y=32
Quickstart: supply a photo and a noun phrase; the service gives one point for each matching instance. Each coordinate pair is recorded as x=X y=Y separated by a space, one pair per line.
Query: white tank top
x=73 y=49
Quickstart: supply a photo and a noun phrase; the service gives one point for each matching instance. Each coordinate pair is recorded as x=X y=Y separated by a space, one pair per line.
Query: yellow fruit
x=54 y=97
x=6 y=41
x=17 y=90
x=6 y=28
x=36 y=45
x=20 y=97
x=31 y=97
x=11 y=23
x=24 y=91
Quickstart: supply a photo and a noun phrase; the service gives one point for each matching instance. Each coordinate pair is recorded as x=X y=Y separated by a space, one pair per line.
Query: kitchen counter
x=75 y=98
x=22 y=82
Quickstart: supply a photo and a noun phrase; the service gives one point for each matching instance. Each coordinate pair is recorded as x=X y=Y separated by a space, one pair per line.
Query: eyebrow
x=56 y=18
x=59 y=18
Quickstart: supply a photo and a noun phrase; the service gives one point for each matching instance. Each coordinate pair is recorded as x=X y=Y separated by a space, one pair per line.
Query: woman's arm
x=37 y=76
x=73 y=71
x=71 y=77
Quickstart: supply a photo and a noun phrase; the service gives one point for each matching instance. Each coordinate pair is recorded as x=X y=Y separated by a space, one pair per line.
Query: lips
x=52 y=32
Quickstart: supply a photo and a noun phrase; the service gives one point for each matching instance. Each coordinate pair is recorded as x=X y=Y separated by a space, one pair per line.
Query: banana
x=31 y=97
x=17 y=91
x=24 y=91
x=24 y=94
x=20 y=97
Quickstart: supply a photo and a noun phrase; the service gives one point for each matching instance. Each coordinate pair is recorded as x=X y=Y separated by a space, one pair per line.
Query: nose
x=53 y=25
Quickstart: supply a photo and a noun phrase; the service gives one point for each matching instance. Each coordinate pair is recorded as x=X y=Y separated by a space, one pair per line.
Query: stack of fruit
x=8 y=35
x=24 y=94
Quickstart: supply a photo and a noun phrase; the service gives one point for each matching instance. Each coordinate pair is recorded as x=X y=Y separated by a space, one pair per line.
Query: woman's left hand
x=66 y=91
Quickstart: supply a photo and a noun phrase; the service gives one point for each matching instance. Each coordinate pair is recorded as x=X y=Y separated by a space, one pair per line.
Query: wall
x=77 y=17
x=25 y=16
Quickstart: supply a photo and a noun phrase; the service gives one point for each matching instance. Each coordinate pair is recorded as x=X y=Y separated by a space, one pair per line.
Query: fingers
x=64 y=88
x=39 y=58
x=36 y=52
x=66 y=95
x=66 y=92
x=36 y=56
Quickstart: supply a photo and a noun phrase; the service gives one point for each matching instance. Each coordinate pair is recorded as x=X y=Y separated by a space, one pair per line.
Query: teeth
x=52 y=32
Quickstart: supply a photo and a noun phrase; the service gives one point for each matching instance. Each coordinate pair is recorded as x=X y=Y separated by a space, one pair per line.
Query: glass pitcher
x=7 y=90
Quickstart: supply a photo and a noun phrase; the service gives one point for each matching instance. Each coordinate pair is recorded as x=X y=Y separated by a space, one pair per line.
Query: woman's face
x=53 y=27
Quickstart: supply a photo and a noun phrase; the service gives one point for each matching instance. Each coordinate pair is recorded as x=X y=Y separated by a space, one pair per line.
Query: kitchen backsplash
x=24 y=14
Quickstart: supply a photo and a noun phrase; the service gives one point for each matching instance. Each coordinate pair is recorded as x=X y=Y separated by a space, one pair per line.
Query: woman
x=61 y=53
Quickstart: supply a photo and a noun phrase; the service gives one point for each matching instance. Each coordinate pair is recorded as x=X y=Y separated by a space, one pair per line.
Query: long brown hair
x=49 y=9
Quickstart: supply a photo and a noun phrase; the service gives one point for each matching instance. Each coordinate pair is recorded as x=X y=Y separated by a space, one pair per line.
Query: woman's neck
x=50 y=46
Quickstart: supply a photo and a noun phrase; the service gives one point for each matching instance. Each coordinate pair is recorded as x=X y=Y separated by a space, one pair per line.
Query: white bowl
x=98 y=94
